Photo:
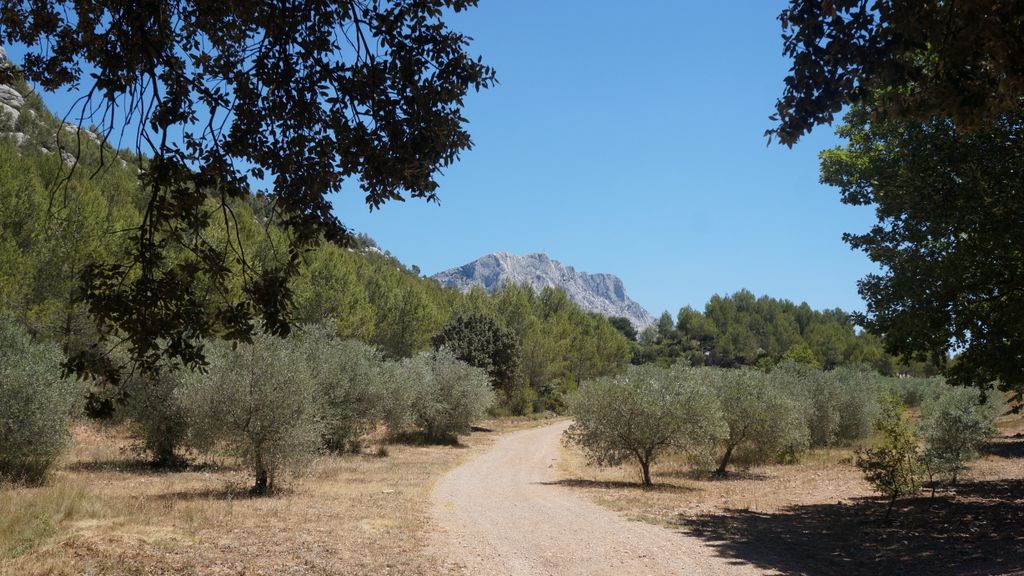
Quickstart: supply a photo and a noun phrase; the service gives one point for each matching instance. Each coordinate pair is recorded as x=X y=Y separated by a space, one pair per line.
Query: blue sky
x=628 y=138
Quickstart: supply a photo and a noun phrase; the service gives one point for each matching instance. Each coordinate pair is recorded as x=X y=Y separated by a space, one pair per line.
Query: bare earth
x=501 y=513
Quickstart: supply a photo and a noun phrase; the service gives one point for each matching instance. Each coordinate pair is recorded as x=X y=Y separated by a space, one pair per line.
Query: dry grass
x=823 y=475
x=820 y=517
x=104 y=514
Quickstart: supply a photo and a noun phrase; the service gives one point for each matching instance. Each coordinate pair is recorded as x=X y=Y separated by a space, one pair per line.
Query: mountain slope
x=601 y=293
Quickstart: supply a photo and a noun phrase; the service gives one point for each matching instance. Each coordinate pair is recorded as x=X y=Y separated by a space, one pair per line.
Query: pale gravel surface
x=498 y=514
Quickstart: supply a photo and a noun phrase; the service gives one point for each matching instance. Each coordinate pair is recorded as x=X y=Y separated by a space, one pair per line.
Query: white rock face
x=601 y=293
x=10 y=105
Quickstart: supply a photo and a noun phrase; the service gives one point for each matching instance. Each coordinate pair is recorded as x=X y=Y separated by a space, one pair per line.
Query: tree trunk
x=645 y=468
x=262 y=485
x=888 y=511
x=724 y=464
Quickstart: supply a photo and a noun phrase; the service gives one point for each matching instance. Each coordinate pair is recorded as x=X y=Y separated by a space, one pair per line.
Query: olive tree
x=348 y=376
x=154 y=409
x=815 y=393
x=445 y=395
x=763 y=421
x=954 y=425
x=858 y=394
x=642 y=414
x=261 y=401
x=35 y=405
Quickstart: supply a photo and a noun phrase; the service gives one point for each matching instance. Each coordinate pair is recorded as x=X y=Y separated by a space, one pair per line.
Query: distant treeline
x=742 y=329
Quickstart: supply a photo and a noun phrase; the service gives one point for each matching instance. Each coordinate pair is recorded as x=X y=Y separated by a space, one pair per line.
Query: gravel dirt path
x=500 y=514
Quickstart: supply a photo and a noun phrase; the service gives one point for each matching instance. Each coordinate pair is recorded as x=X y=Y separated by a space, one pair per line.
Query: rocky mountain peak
x=601 y=293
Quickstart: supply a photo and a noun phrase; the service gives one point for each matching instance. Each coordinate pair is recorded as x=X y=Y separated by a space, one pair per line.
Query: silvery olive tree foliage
x=838 y=406
x=764 y=422
x=643 y=414
x=152 y=404
x=261 y=402
x=35 y=405
x=349 y=376
x=955 y=424
x=858 y=401
x=219 y=98
x=815 y=393
x=444 y=394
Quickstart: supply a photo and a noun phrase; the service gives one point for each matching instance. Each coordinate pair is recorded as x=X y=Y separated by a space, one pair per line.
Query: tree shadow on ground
x=1006 y=447
x=229 y=492
x=616 y=485
x=142 y=466
x=973 y=530
x=417 y=438
x=711 y=476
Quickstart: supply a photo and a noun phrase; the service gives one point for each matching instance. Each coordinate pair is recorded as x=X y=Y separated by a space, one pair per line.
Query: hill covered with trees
x=742 y=329
x=59 y=213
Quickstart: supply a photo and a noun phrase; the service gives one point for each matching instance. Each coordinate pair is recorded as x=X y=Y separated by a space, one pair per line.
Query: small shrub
x=35 y=405
x=642 y=414
x=892 y=467
x=954 y=426
x=262 y=402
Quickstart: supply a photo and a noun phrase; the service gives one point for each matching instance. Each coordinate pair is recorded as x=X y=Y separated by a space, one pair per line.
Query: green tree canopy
x=624 y=325
x=962 y=60
x=479 y=340
x=949 y=239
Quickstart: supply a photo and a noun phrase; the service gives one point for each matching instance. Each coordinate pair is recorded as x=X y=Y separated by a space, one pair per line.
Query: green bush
x=892 y=467
x=858 y=395
x=954 y=426
x=153 y=407
x=262 y=402
x=913 y=391
x=349 y=376
x=445 y=395
x=35 y=405
x=764 y=422
x=643 y=414
x=816 y=396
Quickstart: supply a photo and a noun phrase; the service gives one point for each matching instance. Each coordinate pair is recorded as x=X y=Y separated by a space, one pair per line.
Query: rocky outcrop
x=11 y=102
x=43 y=130
x=601 y=293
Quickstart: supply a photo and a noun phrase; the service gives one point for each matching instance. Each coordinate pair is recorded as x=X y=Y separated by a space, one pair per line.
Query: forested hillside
x=58 y=215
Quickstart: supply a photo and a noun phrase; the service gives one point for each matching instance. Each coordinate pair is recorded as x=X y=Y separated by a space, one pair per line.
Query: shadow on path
x=1006 y=447
x=617 y=485
x=974 y=531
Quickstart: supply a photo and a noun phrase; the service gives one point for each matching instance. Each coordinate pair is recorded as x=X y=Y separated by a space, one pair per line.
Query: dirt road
x=499 y=514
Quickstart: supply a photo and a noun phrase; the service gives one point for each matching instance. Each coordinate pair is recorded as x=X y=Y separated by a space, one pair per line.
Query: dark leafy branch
x=298 y=96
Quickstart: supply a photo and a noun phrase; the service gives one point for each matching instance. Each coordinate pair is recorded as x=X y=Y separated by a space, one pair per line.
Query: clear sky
x=627 y=137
